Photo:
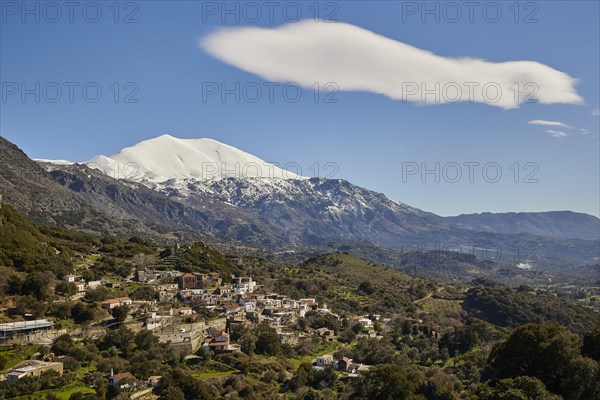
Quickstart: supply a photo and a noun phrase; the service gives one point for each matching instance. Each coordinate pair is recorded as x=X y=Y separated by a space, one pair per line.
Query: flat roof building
x=22 y=327
x=33 y=368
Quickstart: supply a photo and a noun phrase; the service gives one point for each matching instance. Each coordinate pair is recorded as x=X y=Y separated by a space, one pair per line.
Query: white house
x=94 y=284
x=243 y=285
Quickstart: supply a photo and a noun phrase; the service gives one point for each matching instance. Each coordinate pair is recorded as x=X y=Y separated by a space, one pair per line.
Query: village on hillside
x=193 y=312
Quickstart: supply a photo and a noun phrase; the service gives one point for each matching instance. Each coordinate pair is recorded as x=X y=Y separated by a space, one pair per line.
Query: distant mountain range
x=565 y=224
x=170 y=187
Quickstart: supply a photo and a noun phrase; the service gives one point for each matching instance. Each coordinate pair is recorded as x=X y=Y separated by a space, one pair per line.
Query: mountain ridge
x=184 y=181
x=283 y=214
x=566 y=224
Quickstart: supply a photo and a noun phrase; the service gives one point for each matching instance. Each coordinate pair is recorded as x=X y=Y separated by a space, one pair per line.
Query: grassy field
x=63 y=393
x=13 y=355
x=212 y=374
x=81 y=372
x=214 y=369
x=442 y=306
x=322 y=349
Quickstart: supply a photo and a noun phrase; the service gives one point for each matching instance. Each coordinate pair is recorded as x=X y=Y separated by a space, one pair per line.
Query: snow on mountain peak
x=56 y=162
x=167 y=158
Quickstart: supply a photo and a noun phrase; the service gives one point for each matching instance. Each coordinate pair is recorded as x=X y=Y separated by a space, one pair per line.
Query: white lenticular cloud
x=356 y=59
x=557 y=134
x=548 y=123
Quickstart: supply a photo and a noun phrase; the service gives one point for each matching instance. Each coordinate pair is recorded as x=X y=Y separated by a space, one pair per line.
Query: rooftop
x=123 y=375
x=31 y=365
x=24 y=325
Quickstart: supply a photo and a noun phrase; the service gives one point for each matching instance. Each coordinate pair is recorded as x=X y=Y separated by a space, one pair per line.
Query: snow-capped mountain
x=205 y=170
x=170 y=190
x=202 y=173
x=166 y=158
x=296 y=207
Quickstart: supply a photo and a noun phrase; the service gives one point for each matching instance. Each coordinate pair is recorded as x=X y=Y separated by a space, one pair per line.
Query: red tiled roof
x=123 y=375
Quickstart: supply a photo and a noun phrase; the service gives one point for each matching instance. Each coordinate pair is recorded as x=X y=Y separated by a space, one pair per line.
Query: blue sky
x=369 y=136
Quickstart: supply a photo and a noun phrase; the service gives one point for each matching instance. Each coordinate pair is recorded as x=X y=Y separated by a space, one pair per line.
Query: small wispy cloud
x=557 y=134
x=548 y=123
x=596 y=112
x=557 y=124
x=356 y=59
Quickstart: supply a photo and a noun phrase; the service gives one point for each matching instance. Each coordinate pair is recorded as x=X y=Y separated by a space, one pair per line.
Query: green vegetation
x=12 y=355
x=353 y=285
x=504 y=306
x=412 y=337
x=551 y=354
x=63 y=393
x=199 y=257
x=25 y=248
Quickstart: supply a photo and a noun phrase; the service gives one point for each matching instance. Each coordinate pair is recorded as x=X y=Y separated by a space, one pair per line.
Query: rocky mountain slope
x=277 y=213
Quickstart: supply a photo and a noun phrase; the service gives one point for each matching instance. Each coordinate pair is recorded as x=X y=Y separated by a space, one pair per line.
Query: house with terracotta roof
x=117 y=379
x=220 y=344
x=119 y=301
